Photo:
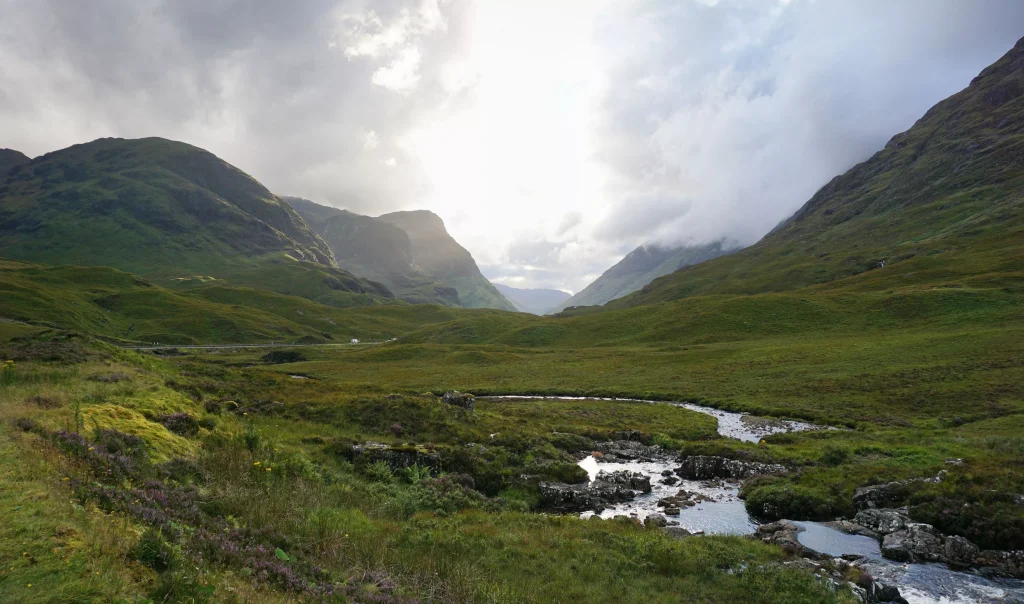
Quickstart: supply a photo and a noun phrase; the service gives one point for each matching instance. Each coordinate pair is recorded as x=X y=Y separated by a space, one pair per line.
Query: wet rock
x=915 y=543
x=883 y=521
x=852 y=528
x=1008 y=562
x=669 y=480
x=459 y=399
x=672 y=511
x=595 y=496
x=881 y=592
x=700 y=467
x=784 y=533
x=958 y=550
x=629 y=450
x=656 y=520
x=666 y=473
x=633 y=480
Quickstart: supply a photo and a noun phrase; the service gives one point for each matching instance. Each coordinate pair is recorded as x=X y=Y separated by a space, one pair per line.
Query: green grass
x=415 y=536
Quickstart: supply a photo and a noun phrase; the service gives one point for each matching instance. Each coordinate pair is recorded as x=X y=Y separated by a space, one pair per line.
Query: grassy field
x=251 y=500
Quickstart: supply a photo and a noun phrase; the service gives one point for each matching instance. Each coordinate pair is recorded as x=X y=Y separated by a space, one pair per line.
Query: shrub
x=415 y=473
x=154 y=551
x=835 y=455
x=379 y=471
x=43 y=402
x=780 y=499
x=208 y=423
x=180 y=423
x=252 y=438
x=277 y=357
x=120 y=443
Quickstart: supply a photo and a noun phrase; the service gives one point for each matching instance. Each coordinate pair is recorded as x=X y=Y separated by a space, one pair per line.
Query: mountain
x=411 y=252
x=535 y=301
x=167 y=211
x=437 y=253
x=641 y=266
x=940 y=204
x=375 y=249
x=10 y=158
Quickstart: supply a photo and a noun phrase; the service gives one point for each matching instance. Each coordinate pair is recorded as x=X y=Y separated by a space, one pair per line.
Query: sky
x=552 y=136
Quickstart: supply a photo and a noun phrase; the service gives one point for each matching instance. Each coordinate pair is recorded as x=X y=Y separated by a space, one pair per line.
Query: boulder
x=960 y=551
x=677 y=531
x=915 y=543
x=656 y=520
x=633 y=480
x=669 y=480
x=629 y=450
x=701 y=467
x=784 y=533
x=459 y=399
x=883 y=521
x=595 y=496
x=672 y=511
x=890 y=494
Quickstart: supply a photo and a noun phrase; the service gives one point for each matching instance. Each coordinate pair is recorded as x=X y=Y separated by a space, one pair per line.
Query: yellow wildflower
x=255 y=463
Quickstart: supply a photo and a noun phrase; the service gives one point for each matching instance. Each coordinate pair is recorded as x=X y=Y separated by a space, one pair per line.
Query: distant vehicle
x=355 y=341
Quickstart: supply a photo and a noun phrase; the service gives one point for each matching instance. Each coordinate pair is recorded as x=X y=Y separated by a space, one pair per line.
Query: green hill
x=940 y=204
x=641 y=266
x=118 y=305
x=437 y=253
x=10 y=158
x=167 y=211
x=374 y=249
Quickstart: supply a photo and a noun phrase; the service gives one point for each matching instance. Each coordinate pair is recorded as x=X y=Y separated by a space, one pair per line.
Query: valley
x=213 y=393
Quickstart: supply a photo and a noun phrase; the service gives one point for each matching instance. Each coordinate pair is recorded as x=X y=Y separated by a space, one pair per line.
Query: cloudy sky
x=552 y=136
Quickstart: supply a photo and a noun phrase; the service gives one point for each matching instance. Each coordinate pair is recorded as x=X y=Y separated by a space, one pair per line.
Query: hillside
x=940 y=204
x=374 y=249
x=10 y=158
x=121 y=306
x=437 y=253
x=641 y=266
x=534 y=301
x=164 y=210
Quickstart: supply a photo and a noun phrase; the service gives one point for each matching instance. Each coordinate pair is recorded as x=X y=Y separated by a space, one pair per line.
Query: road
x=220 y=346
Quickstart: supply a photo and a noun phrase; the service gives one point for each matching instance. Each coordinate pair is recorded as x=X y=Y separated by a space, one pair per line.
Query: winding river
x=725 y=514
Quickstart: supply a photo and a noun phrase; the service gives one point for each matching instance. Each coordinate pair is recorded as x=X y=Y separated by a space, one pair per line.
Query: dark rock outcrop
x=561 y=497
x=459 y=399
x=890 y=494
x=702 y=467
x=397 y=457
x=633 y=480
x=628 y=450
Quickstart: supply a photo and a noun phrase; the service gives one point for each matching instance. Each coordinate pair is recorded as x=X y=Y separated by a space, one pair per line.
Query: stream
x=723 y=513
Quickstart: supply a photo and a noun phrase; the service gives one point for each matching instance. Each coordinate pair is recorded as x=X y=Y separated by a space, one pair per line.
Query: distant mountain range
x=410 y=252
x=534 y=301
x=641 y=266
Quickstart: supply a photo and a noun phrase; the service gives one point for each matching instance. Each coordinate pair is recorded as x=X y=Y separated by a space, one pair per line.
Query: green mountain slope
x=437 y=253
x=941 y=203
x=374 y=249
x=10 y=158
x=118 y=305
x=167 y=211
x=641 y=266
x=534 y=301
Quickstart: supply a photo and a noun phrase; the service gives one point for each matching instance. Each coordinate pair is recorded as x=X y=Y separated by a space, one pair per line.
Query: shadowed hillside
x=164 y=210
